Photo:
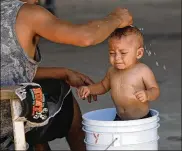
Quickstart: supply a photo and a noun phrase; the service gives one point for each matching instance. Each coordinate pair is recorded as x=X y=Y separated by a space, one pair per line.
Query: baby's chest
x=124 y=81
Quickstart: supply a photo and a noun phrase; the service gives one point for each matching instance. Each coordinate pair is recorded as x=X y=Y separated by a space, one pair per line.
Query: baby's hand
x=83 y=92
x=142 y=96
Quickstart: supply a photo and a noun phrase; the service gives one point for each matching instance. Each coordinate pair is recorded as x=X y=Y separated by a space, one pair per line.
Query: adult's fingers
x=94 y=97
x=87 y=80
x=89 y=98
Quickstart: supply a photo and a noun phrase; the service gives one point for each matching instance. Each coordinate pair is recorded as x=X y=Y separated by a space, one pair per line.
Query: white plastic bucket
x=102 y=133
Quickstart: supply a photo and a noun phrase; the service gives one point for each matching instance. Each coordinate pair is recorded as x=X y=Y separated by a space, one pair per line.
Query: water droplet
x=141 y=29
x=154 y=53
x=145 y=47
x=150 y=44
x=164 y=67
x=157 y=64
x=98 y=26
x=149 y=53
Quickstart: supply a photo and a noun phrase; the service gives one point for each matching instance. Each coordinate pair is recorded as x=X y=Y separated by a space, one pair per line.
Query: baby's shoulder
x=142 y=67
x=111 y=70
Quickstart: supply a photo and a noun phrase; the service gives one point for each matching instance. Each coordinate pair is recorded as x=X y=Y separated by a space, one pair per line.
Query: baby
x=131 y=83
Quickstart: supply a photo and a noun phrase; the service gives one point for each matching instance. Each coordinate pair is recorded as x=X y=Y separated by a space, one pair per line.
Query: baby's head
x=125 y=47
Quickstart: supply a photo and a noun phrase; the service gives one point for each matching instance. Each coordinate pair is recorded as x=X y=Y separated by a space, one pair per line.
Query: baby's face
x=123 y=52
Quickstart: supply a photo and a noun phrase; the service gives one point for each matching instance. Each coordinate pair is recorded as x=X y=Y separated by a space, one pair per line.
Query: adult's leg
x=42 y=147
x=76 y=135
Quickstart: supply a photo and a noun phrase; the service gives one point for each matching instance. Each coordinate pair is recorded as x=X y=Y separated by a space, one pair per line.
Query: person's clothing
x=117 y=118
x=59 y=98
x=16 y=66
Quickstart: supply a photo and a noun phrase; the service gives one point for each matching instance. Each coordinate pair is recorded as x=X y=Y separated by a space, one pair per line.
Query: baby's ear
x=140 y=53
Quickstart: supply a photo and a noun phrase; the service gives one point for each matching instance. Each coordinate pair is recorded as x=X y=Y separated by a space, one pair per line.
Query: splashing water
x=149 y=53
x=141 y=29
x=157 y=64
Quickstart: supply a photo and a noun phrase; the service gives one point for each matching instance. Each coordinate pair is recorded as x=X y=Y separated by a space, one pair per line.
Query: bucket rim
x=118 y=123
x=156 y=127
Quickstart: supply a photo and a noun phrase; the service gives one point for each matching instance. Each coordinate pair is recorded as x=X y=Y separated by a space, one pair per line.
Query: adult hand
x=76 y=79
x=124 y=16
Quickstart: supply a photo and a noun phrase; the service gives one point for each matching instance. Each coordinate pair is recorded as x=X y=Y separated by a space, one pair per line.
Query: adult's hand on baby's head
x=124 y=16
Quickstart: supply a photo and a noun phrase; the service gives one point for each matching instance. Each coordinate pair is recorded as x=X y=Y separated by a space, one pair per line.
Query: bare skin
x=76 y=135
x=132 y=84
x=36 y=22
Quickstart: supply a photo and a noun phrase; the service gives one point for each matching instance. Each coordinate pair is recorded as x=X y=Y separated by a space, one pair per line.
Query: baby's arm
x=152 y=88
x=95 y=89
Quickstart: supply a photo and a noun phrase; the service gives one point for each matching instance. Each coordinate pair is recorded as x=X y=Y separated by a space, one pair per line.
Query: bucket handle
x=111 y=143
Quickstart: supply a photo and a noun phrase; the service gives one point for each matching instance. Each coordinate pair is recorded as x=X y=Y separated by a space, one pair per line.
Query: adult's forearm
x=50 y=72
x=99 y=30
x=88 y=34
x=46 y=25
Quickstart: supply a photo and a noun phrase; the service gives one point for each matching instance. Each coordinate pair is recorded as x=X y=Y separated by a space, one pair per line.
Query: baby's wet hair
x=127 y=31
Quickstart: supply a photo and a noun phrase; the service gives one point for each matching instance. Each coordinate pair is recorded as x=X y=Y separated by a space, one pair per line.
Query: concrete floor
x=161 y=21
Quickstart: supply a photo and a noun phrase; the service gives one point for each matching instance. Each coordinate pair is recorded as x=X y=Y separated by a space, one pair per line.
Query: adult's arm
x=51 y=72
x=41 y=22
x=73 y=78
